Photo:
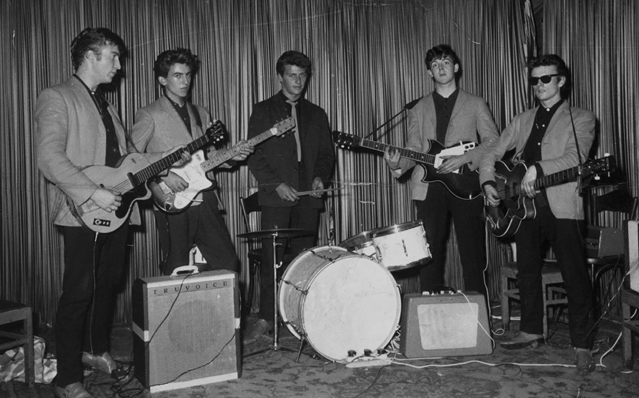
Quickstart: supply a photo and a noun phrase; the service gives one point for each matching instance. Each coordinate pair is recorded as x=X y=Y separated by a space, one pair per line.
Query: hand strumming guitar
x=106 y=199
x=452 y=163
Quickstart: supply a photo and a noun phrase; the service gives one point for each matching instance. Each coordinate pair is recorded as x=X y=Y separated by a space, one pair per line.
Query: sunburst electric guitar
x=463 y=183
x=129 y=179
x=504 y=219
x=194 y=172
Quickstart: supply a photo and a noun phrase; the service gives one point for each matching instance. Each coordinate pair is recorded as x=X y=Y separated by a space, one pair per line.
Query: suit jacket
x=71 y=136
x=558 y=153
x=275 y=160
x=158 y=127
x=470 y=120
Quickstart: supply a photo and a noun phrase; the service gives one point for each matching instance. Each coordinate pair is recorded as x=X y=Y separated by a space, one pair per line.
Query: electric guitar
x=194 y=172
x=463 y=183
x=504 y=219
x=129 y=179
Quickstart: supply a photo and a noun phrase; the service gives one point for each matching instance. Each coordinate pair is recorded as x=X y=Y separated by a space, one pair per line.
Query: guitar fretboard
x=224 y=156
x=405 y=153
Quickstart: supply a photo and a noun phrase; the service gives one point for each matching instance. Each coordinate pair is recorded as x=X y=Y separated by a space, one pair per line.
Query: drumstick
x=302 y=193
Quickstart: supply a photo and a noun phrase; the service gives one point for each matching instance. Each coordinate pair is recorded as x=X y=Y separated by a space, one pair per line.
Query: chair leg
x=627 y=338
x=505 y=309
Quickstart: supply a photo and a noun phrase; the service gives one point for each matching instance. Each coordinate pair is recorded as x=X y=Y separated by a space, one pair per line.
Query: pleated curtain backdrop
x=368 y=62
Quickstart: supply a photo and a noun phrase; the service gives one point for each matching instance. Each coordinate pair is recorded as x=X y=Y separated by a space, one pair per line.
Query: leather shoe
x=104 y=363
x=258 y=329
x=523 y=340
x=583 y=360
x=73 y=390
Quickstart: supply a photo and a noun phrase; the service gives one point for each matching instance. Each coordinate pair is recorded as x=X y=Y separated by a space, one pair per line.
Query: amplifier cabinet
x=186 y=330
x=448 y=324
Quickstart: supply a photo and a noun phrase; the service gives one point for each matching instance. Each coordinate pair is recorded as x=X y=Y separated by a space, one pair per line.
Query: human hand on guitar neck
x=244 y=150
x=450 y=164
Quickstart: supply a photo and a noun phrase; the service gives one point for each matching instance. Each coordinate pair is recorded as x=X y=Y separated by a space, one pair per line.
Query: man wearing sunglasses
x=544 y=138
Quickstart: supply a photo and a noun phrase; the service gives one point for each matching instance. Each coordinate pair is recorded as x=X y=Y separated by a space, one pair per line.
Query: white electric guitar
x=194 y=172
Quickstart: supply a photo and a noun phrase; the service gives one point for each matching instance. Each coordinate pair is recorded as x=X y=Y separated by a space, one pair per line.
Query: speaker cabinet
x=439 y=325
x=186 y=330
x=632 y=254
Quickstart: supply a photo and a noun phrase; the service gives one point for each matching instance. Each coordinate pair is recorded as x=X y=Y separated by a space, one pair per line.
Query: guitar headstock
x=345 y=140
x=217 y=132
x=284 y=126
x=599 y=166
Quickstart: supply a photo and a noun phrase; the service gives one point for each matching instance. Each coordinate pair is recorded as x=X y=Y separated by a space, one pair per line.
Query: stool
x=13 y=312
x=550 y=279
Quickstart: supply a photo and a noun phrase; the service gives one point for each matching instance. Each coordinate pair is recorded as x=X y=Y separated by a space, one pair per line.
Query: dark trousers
x=435 y=212
x=201 y=225
x=566 y=239
x=300 y=216
x=93 y=266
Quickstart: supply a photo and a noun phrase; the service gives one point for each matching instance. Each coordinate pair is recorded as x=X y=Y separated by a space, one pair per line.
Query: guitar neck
x=556 y=178
x=405 y=153
x=224 y=156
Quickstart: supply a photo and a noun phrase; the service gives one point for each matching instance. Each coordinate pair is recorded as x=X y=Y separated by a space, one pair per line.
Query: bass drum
x=342 y=303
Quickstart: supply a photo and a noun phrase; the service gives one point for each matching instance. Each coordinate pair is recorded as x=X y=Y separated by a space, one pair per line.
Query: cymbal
x=278 y=232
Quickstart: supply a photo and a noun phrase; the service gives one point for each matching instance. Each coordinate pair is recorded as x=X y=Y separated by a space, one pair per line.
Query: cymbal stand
x=275 y=346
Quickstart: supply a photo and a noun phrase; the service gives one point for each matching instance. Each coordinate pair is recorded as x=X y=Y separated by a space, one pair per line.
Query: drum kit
x=343 y=300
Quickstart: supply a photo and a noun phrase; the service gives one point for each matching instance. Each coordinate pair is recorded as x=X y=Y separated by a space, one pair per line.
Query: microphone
x=414 y=102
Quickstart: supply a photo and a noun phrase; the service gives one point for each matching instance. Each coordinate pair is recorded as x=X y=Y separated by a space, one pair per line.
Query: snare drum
x=401 y=246
x=361 y=244
x=342 y=303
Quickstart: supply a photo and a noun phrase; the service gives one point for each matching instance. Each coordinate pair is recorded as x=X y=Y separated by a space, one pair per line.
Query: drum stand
x=276 y=346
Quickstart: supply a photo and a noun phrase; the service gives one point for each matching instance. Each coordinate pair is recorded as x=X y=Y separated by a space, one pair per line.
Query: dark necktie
x=296 y=133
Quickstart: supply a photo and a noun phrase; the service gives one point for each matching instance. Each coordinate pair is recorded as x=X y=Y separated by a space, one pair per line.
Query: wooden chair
x=251 y=280
x=602 y=260
x=551 y=282
x=11 y=312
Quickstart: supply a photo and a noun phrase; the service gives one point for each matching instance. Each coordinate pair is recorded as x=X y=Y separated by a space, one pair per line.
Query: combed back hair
x=295 y=58
x=441 y=51
x=94 y=39
x=168 y=58
x=556 y=61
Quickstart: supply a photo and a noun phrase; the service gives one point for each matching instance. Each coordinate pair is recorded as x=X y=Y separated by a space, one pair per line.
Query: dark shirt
x=183 y=112
x=113 y=154
x=443 y=111
x=532 y=150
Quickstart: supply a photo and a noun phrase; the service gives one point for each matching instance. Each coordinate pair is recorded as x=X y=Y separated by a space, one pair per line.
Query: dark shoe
x=523 y=340
x=258 y=329
x=104 y=363
x=73 y=390
x=583 y=360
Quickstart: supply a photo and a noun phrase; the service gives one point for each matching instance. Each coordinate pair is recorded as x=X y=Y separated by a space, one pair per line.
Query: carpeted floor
x=547 y=371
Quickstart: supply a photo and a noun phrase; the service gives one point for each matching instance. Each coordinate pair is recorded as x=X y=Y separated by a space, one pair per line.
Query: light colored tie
x=297 y=132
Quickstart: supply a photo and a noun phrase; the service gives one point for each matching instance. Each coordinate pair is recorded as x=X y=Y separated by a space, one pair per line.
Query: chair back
x=249 y=205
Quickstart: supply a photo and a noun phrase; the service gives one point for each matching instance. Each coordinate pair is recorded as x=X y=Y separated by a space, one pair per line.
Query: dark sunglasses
x=544 y=79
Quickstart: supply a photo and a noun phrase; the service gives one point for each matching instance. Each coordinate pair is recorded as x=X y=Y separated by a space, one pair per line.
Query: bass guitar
x=463 y=183
x=504 y=219
x=194 y=172
x=129 y=179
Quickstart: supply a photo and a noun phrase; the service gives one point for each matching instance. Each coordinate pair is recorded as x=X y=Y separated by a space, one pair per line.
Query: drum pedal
x=369 y=362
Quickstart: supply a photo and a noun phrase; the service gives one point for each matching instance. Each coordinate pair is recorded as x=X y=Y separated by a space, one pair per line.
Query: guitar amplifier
x=602 y=242
x=186 y=330
x=449 y=324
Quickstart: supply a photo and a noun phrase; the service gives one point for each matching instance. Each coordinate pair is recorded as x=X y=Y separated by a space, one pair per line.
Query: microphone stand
x=410 y=105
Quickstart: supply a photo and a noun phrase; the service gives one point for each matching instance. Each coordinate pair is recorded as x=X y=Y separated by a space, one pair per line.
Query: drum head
x=352 y=304
x=395 y=228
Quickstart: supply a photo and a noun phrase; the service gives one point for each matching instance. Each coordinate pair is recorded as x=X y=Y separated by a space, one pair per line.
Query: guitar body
x=116 y=179
x=505 y=219
x=174 y=202
x=464 y=183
